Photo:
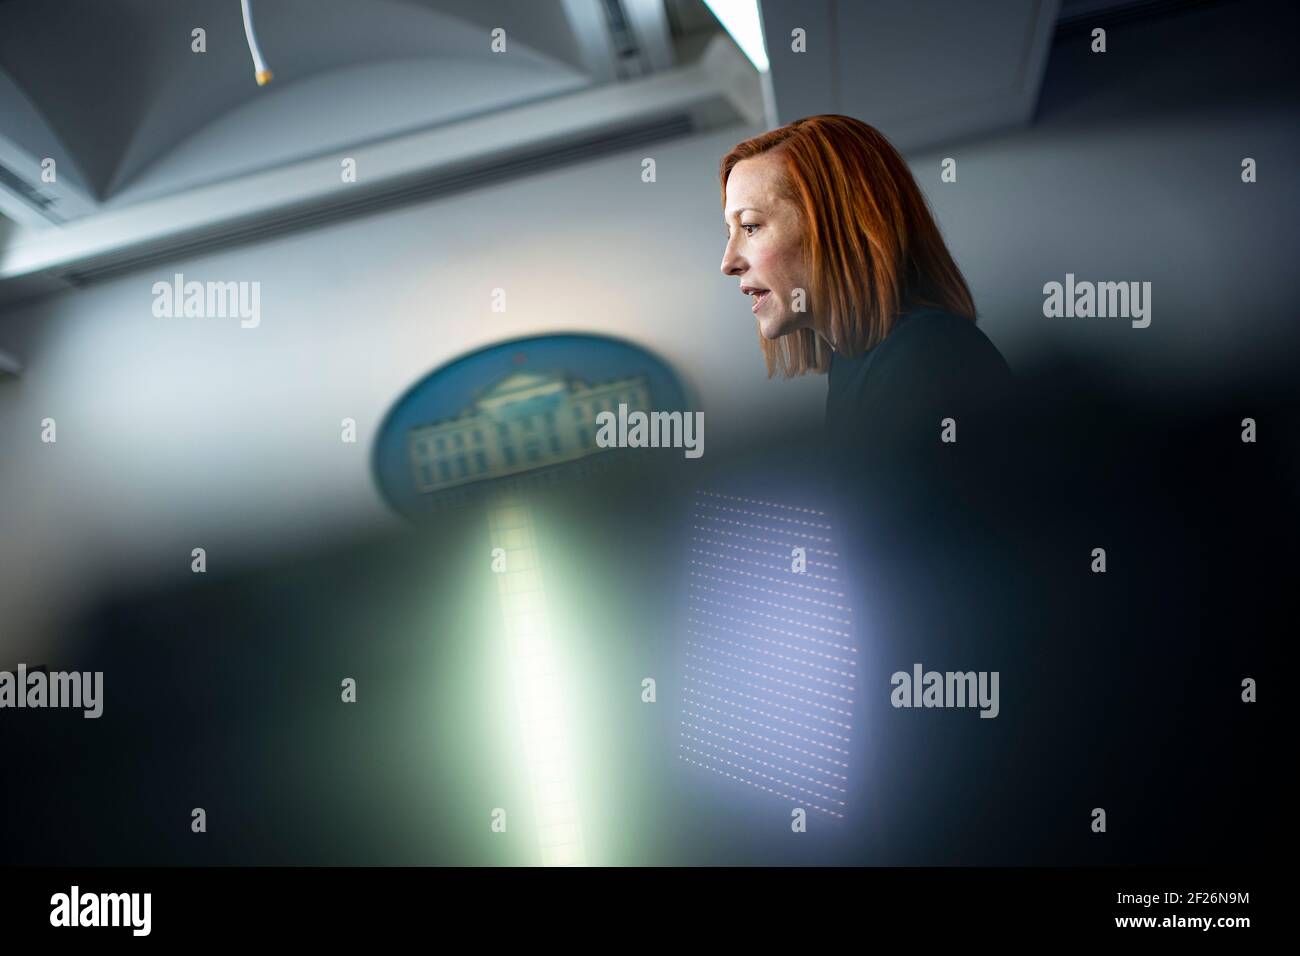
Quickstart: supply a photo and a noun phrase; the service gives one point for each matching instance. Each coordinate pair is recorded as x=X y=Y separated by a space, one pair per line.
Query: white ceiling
x=157 y=145
x=927 y=72
x=921 y=71
x=137 y=113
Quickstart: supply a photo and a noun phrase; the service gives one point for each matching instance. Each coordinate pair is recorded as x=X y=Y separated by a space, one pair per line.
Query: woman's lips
x=762 y=297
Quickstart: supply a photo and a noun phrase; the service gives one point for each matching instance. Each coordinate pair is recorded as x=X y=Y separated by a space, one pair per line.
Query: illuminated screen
x=770 y=665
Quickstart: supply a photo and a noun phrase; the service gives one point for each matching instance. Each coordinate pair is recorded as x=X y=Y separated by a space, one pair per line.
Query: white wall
x=176 y=433
x=1132 y=171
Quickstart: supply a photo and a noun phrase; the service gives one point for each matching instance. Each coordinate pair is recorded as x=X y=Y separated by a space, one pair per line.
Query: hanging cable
x=262 y=74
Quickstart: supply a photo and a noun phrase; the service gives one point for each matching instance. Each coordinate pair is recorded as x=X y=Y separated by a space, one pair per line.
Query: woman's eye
x=749 y=225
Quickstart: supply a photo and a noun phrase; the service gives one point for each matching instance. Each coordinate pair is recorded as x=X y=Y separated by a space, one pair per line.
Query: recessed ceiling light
x=740 y=19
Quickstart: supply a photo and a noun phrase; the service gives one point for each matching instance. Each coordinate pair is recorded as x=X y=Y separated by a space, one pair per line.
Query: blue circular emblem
x=515 y=412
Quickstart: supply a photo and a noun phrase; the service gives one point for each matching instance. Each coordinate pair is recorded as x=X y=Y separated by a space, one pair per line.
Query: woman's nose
x=731 y=263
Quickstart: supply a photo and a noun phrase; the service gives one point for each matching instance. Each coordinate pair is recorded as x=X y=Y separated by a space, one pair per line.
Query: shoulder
x=936 y=332
x=934 y=342
x=933 y=356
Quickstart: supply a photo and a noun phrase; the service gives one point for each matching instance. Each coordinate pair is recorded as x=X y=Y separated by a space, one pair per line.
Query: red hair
x=869 y=237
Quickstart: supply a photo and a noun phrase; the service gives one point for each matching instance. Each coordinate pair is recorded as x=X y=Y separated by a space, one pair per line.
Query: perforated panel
x=770 y=663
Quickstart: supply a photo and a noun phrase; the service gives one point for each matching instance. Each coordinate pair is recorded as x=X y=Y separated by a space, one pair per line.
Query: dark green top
x=932 y=565
x=932 y=365
x=884 y=409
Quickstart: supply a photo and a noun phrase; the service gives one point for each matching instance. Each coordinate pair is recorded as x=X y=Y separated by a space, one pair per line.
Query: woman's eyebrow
x=737 y=212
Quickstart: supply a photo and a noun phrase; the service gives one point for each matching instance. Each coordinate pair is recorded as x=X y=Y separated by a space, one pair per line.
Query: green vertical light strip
x=537 y=683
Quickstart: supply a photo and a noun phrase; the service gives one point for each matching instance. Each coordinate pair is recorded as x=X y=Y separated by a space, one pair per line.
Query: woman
x=831 y=237
x=833 y=240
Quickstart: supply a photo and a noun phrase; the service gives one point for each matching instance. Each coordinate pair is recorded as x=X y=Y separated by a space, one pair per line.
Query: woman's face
x=764 y=246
